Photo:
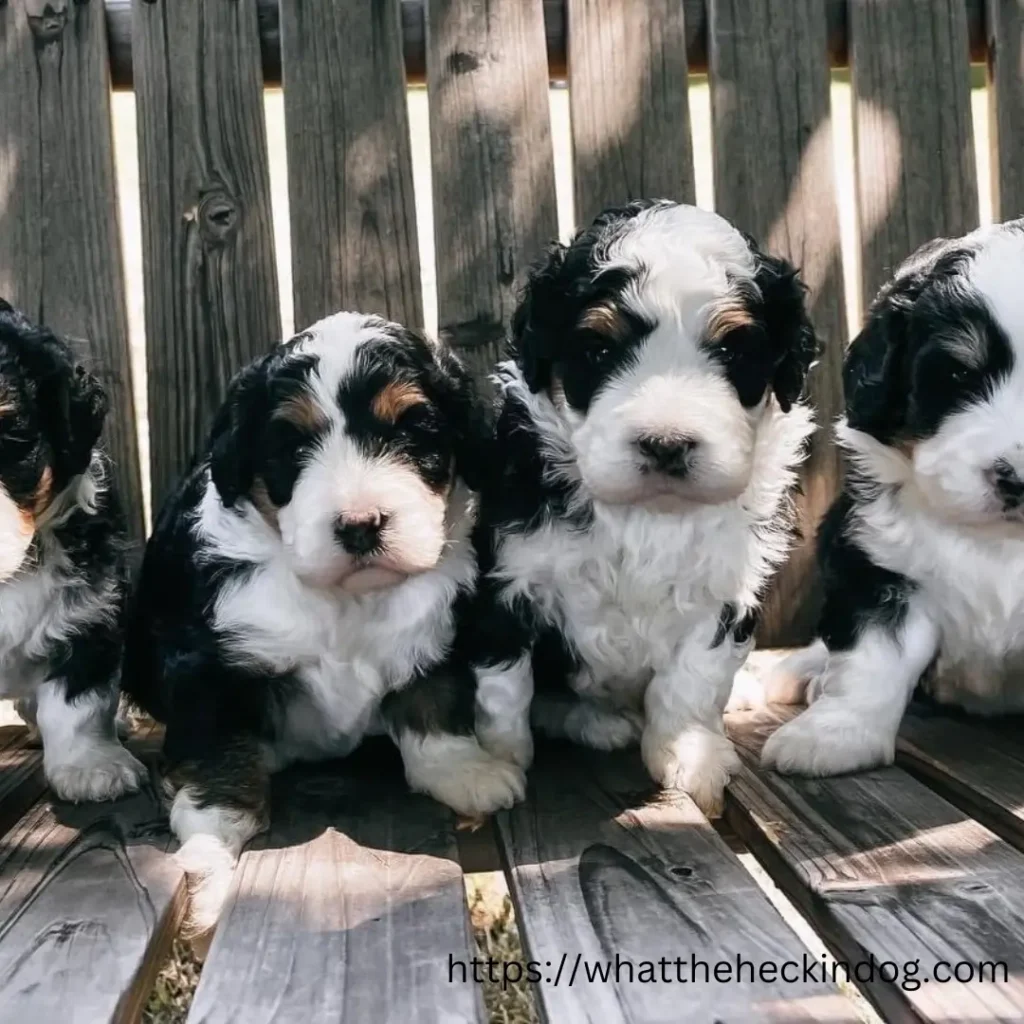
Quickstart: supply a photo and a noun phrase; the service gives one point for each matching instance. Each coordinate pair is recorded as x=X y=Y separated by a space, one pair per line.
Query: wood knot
x=218 y=217
x=48 y=26
x=462 y=63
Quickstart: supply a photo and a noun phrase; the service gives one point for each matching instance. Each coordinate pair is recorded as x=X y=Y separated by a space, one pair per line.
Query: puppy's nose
x=669 y=455
x=1008 y=484
x=359 y=535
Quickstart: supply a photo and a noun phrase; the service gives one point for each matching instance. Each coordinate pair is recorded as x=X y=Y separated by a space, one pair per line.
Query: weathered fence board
x=628 y=103
x=886 y=868
x=210 y=277
x=493 y=164
x=602 y=870
x=916 y=175
x=89 y=901
x=348 y=910
x=60 y=240
x=774 y=176
x=1005 y=51
x=353 y=214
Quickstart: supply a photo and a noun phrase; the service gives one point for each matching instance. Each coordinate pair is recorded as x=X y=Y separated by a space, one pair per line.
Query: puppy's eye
x=420 y=416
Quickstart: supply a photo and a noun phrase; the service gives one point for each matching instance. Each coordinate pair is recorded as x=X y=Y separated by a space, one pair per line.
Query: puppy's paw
x=828 y=740
x=513 y=745
x=748 y=692
x=458 y=772
x=209 y=866
x=603 y=728
x=101 y=770
x=698 y=761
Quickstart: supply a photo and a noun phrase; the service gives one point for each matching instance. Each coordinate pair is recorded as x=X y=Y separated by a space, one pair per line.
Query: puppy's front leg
x=864 y=691
x=684 y=744
x=82 y=756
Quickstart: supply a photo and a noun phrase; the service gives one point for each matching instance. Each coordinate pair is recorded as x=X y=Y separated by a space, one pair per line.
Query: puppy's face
x=660 y=334
x=349 y=440
x=51 y=415
x=937 y=376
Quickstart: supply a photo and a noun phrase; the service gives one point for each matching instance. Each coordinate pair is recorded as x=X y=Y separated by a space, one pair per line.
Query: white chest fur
x=345 y=651
x=969 y=582
x=626 y=590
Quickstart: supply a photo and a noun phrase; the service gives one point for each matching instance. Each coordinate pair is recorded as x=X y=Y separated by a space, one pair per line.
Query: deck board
x=89 y=902
x=601 y=867
x=886 y=868
x=348 y=910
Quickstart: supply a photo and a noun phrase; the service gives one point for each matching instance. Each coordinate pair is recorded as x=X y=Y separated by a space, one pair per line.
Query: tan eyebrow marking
x=302 y=411
x=393 y=399
x=605 y=319
x=728 y=315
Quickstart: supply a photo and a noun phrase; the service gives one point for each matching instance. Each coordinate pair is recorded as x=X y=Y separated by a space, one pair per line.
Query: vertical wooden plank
x=774 y=177
x=210 y=277
x=628 y=103
x=913 y=137
x=493 y=164
x=353 y=212
x=349 y=910
x=60 y=238
x=1005 y=29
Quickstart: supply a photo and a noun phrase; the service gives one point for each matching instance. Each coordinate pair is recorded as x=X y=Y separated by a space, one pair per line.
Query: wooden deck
x=353 y=908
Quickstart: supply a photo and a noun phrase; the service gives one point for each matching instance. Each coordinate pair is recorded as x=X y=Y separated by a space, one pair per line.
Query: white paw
x=828 y=740
x=458 y=772
x=698 y=761
x=601 y=728
x=103 y=770
x=209 y=867
x=515 y=745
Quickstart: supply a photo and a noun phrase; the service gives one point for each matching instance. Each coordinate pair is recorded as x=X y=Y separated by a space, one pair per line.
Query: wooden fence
x=211 y=293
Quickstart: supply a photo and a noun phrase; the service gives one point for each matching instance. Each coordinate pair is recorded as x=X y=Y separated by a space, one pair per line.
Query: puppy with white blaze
x=648 y=442
x=62 y=563
x=303 y=584
x=923 y=553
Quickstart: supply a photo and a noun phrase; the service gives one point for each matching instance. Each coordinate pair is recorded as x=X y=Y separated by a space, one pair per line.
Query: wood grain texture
x=348 y=910
x=601 y=867
x=493 y=165
x=89 y=901
x=1005 y=52
x=21 y=774
x=975 y=765
x=913 y=136
x=628 y=103
x=774 y=178
x=208 y=242
x=886 y=868
x=60 y=240
x=353 y=214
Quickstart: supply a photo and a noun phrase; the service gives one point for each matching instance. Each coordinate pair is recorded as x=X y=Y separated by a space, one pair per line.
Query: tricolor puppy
x=302 y=584
x=62 y=567
x=648 y=443
x=923 y=553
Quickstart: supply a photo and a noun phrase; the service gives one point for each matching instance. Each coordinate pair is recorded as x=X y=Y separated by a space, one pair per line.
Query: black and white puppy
x=647 y=446
x=923 y=553
x=302 y=586
x=62 y=565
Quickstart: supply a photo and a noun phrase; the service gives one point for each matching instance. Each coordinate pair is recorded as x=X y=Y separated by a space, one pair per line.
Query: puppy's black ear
x=536 y=319
x=791 y=337
x=469 y=415
x=234 y=437
x=71 y=404
x=875 y=375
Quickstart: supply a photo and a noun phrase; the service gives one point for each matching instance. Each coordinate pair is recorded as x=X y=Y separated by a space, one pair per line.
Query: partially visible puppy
x=648 y=443
x=62 y=566
x=923 y=553
x=302 y=587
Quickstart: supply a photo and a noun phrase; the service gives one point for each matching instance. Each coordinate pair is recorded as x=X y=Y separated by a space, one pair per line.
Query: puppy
x=302 y=586
x=62 y=565
x=648 y=441
x=923 y=553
